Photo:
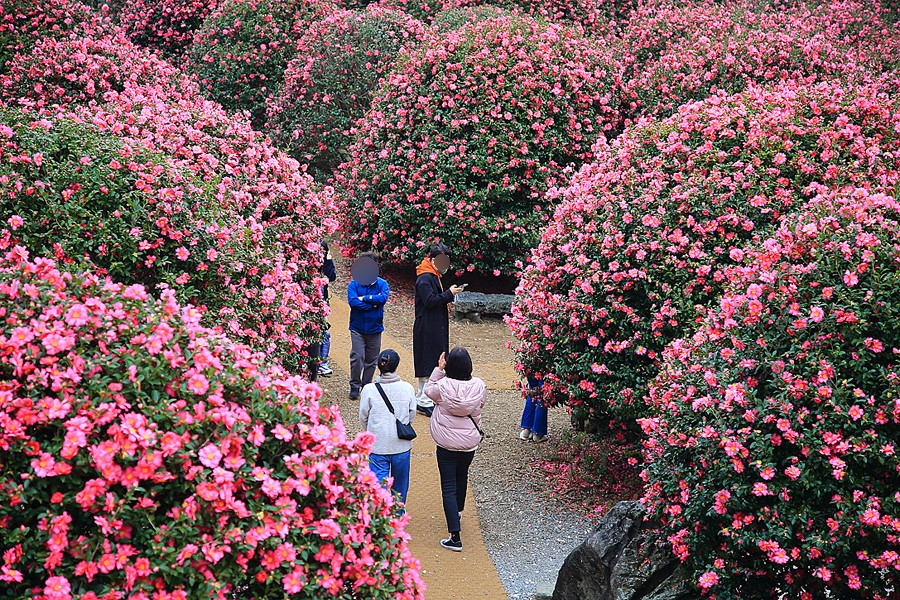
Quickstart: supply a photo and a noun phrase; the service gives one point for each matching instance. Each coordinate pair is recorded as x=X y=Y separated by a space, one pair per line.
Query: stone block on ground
x=472 y=305
x=623 y=560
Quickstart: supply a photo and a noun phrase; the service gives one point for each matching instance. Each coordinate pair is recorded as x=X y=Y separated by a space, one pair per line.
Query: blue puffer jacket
x=367 y=314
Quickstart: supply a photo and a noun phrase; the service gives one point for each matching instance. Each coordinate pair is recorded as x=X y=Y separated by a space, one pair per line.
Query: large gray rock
x=472 y=305
x=623 y=560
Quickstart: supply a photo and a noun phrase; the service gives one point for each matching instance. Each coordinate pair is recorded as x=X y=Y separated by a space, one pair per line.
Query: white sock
x=421 y=399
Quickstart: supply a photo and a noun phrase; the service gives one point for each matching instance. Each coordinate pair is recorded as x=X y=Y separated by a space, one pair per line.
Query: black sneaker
x=354 y=395
x=425 y=410
x=449 y=544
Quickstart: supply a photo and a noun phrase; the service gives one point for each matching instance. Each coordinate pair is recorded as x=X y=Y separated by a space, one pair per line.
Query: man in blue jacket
x=366 y=295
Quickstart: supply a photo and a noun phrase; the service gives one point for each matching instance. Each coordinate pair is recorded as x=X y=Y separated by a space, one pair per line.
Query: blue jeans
x=325 y=348
x=392 y=465
x=534 y=416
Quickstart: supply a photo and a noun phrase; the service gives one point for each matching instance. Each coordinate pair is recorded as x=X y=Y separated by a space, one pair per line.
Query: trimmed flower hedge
x=341 y=60
x=689 y=51
x=241 y=51
x=593 y=16
x=144 y=454
x=634 y=254
x=772 y=458
x=265 y=248
x=165 y=25
x=466 y=135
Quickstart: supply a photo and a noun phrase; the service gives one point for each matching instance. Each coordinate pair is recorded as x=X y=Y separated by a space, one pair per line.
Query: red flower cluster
x=233 y=224
x=147 y=456
x=240 y=52
x=637 y=248
x=329 y=86
x=465 y=136
x=166 y=25
x=772 y=457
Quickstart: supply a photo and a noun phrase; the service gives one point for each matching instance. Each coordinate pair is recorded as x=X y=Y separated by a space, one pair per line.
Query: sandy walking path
x=467 y=575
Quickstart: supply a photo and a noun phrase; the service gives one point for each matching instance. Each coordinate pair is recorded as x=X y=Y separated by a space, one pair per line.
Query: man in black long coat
x=431 y=331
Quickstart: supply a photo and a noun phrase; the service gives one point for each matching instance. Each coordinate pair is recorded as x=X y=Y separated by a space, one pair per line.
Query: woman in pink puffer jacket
x=456 y=428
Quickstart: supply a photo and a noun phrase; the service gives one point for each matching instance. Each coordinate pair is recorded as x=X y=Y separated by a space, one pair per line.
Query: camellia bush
x=241 y=51
x=593 y=16
x=457 y=18
x=329 y=86
x=165 y=25
x=635 y=252
x=772 y=460
x=465 y=136
x=23 y=22
x=258 y=273
x=147 y=456
x=683 y=52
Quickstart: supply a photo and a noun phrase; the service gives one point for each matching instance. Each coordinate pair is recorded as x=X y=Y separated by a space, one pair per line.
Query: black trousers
x=454 y=469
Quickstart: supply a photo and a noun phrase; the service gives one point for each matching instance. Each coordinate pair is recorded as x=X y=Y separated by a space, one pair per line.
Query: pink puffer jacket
x=454 y=401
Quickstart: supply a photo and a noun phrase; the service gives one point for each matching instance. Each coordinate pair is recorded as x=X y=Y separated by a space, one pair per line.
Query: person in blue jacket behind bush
x=367 y=294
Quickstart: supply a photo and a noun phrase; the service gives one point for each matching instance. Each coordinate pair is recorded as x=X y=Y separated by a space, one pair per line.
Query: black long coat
x=431 y=331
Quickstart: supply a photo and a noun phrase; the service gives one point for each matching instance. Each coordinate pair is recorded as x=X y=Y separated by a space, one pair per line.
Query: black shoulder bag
x=480 y=431
x=404 y=431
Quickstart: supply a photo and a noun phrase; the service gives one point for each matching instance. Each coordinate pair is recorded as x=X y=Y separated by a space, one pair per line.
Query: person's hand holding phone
x=442 y=361
x=455 y=289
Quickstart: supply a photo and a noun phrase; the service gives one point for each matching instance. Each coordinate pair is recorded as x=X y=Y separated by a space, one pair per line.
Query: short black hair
x=438 y=249
x=369 y=255
x=388 y=361
x=459 y=364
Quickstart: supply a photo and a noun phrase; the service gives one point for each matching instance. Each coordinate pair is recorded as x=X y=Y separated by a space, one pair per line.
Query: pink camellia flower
x=15 y=222
x=57 y=588
x=182 y=253
x=43 y=466
x=281 y=433
x=198 y=384
x=294 y=581
x=210 y=456
x=816 y=314
x=327 y=529
x=708 y=579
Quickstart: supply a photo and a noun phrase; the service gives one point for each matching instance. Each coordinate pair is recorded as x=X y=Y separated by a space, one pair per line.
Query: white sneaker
x=325 y=370
x=539 y=438
x=525 y=435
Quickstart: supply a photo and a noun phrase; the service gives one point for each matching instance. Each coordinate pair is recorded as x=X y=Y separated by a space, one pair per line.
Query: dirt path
x=469 y=574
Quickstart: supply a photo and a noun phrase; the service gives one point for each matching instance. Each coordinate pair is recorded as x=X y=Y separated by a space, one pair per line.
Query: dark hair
x=438 y=249
x=369 y=255
x=388 y=361
x=459 y=364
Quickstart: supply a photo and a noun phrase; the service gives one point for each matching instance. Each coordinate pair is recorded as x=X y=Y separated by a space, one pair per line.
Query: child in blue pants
x=534 y=416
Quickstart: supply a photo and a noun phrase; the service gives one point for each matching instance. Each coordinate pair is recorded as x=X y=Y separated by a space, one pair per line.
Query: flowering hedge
x=166 y=25
x=329 y=86
x=636 y=249
x=456 y=18
x=466 y=135
x=240 y=52
x=773 y=460
x=23 y=22
x=271 y=217
x=591 y=15
x=148 y=456
x=687 y=52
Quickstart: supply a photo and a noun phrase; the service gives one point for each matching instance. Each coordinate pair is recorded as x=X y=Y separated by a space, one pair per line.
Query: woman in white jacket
x=390 y=454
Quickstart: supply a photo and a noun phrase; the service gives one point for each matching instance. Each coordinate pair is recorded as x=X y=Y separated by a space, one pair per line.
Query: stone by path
x=470 y=574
